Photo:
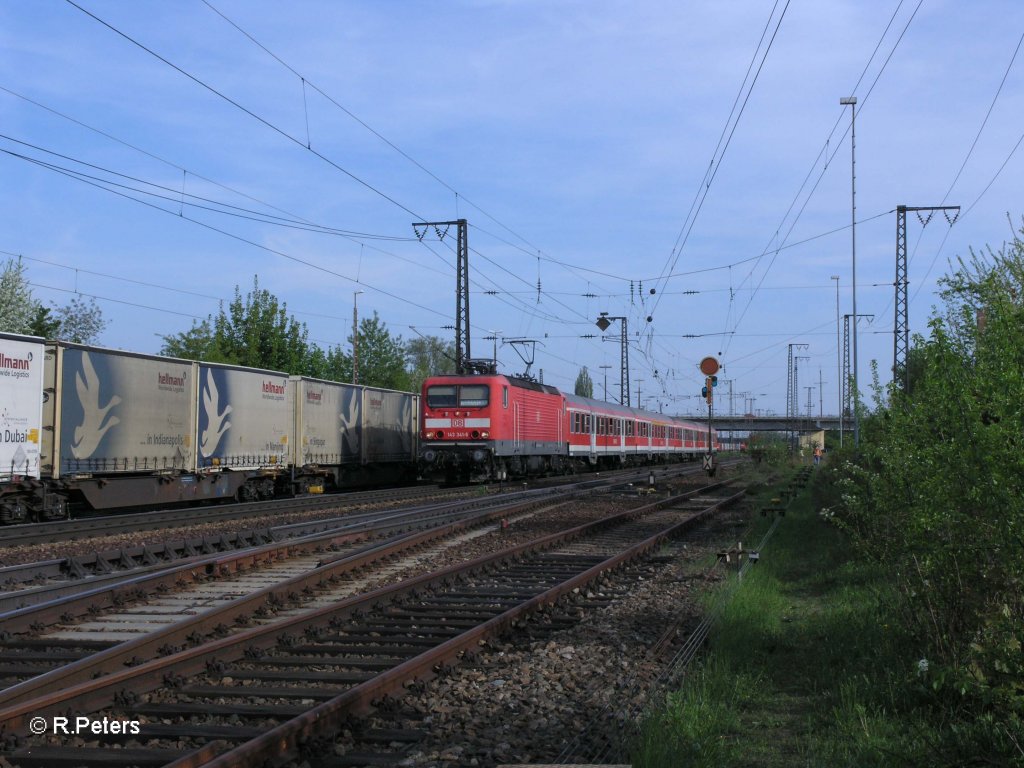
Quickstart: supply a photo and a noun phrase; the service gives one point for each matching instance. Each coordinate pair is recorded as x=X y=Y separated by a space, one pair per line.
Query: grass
x=802 y=668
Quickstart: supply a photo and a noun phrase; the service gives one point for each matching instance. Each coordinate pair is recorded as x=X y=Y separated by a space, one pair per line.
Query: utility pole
x=809 y=389
x=638 y=401
x=605 y=369
x=355 y=337
x=851 y=102
x=901 y=326
x=462 y=351
x=839 y=364
x=494 y=353
x=792 y=391
x=603 y=322
x=821 y=393
x=849 y=386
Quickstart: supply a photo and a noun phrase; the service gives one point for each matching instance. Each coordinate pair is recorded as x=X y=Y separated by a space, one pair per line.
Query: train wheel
x=13 y=512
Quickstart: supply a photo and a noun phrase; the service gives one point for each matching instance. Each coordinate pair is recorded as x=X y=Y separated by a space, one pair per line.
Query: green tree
x=44 y=323
x=428 y=356
x=200 y=342
x=80 y=321
x=584 y=384
x=334 y=364
x=17 y=306
x=255 y=331
x=381 y=356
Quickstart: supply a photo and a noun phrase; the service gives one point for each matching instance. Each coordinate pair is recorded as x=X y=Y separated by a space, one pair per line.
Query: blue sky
x=575 y=137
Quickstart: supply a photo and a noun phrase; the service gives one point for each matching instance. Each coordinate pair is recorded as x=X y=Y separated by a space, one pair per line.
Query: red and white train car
x=480 y=427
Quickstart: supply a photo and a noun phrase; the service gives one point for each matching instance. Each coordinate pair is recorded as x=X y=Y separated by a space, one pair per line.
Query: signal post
x=709 y=367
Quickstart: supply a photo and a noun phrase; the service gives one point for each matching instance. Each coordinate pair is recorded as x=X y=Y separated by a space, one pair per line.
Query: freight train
x=488 y=427
x=101 y=429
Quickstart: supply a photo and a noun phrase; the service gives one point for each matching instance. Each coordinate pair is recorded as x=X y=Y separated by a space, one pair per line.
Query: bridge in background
x=771 y=423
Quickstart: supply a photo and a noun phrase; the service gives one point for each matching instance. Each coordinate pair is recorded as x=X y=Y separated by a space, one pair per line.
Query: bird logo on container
x=96 y=420
x=218 y=423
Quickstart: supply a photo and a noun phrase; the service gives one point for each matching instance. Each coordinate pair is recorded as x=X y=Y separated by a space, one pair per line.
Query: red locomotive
x=485 y=427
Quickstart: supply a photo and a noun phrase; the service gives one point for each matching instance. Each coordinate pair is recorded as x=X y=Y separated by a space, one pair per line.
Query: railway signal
x=707 y=391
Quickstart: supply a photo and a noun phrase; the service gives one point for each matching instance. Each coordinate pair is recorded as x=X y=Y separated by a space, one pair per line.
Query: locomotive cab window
x=441 y=397
x=473 y=395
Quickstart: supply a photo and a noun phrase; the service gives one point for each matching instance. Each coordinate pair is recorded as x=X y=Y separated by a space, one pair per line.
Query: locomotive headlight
x=485 y=434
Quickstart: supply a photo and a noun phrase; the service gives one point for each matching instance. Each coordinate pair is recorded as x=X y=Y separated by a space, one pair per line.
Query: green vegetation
x=803 y=669
x=884 y=623
x=256 y=330
x=584 y=384
x=79 y=320
x=936 y=498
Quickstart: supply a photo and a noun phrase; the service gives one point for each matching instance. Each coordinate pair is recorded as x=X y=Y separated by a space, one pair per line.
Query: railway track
x=140 y=557
x=266 y=691
x=72 y=573
x=106 y=525
x=106 y=618
x=81 y=636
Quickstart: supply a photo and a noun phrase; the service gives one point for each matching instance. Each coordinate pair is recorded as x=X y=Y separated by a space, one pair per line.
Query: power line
x=306 y=82
x=828 y=157
x=178 y=196
x=709 y=177
x=232 y=102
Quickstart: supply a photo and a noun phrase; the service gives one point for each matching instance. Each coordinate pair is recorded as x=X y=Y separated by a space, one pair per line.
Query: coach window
x=441 y=397
x=473 y=395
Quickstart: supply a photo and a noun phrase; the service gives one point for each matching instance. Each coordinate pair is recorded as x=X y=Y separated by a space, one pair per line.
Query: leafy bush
x=936 y=496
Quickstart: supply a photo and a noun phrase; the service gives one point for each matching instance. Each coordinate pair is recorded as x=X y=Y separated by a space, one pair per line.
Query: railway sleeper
x=205 y=708
x=401 y=651
x=378 y=663
x=387 y=641
x=303 y=674
x=184 y=731
x=265 y=692
x=404 y=630
x=94 y=757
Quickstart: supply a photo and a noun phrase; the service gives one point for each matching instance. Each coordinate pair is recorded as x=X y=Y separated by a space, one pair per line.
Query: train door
x=517 y=427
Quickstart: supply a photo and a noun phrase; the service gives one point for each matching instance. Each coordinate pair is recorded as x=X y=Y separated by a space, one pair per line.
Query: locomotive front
x=459 y=427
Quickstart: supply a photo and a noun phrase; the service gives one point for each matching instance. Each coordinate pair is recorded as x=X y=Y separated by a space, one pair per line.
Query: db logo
x=459 y=423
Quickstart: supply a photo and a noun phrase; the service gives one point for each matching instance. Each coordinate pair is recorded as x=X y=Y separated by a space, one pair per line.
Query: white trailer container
x=389 y=426
x=21 y=405
x=120 y=412
x=327 y=423
x=246 y=418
